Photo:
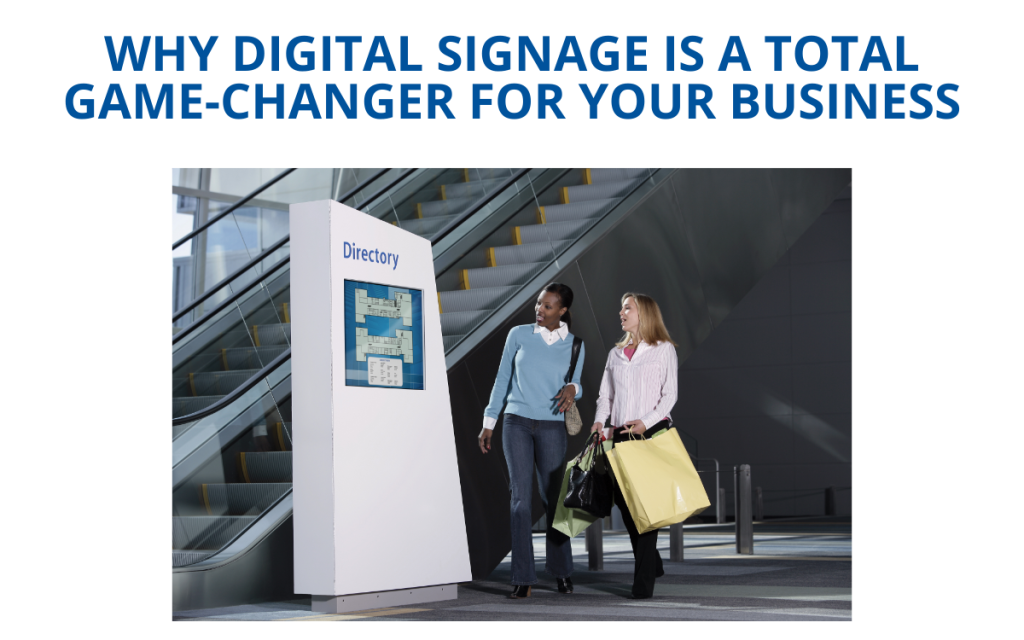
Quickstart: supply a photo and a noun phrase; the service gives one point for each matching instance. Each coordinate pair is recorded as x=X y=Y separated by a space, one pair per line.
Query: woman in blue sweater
x=531 y=385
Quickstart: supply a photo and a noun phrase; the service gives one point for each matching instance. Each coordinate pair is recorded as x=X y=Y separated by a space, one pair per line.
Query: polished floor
x=800 y=570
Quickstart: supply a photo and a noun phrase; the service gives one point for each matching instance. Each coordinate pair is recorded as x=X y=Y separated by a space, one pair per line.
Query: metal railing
x=246 y=198
x=252 y=381
x=750 y=502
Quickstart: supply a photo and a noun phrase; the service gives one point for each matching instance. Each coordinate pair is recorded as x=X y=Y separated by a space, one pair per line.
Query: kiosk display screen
x=383 y=336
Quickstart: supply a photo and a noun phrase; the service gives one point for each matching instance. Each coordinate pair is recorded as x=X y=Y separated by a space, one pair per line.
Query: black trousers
x=648 y=563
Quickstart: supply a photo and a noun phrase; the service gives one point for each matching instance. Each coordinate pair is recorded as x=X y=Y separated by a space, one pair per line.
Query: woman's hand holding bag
x=590 y=487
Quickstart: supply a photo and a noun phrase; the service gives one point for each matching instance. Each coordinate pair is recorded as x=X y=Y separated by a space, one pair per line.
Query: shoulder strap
x=576 y=343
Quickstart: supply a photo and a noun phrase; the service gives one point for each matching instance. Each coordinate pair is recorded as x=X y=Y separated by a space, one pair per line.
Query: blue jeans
x=524 y=442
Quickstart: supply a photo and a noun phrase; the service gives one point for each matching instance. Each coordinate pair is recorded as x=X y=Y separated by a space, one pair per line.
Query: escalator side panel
x=264 y=573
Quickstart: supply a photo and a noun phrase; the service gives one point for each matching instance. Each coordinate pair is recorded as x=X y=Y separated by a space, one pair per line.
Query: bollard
x=721 y=505
x=758 y=505
x=744 y=522
x=830 y=501
x=595 y=546
x=675 y=542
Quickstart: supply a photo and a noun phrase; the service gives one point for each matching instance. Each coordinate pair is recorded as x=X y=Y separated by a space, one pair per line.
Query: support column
x=744 y=517
x=675 y=542
x=595 y=545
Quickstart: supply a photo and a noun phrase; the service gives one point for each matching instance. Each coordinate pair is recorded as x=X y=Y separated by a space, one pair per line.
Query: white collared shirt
x=550 y=338
x=644 y=388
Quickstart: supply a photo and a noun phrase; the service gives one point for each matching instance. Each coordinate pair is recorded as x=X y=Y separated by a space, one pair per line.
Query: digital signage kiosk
x=378 y=517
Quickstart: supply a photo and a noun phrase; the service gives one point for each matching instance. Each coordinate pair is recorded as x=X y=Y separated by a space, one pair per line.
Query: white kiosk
x=378 y=515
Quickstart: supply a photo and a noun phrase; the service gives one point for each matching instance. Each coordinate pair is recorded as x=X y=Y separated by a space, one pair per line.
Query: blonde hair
x=652 y=328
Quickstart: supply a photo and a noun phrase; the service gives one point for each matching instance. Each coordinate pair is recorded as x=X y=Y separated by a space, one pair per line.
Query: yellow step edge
x=563 y=195
x=541 y=219
x=419 y=210
x=241 y=463
x=439 y=309
x=586 y=177
x=206 y=501
x=256 y=335
x=279 y=431
x=443 y=196
x=224 y=358
x=491 y=262
x=284 y=307
x=192 y=383
x=464 y=279
x=465 y=175
x=394 y=222
x=517 y=238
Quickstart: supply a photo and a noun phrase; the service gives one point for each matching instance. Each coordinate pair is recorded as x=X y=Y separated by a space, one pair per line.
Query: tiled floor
x=799 y=571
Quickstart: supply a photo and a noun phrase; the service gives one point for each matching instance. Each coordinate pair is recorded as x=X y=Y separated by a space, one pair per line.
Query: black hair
x=564 y=294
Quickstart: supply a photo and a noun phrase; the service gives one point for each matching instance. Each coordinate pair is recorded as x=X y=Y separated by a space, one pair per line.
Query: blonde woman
x=638 y=389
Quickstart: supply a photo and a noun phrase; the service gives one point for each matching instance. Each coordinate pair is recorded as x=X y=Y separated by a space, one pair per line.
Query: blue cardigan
x=531 y=374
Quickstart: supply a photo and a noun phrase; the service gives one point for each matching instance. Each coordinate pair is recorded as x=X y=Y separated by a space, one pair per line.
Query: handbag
x=571 y=522
x=573 y=421
x=590 y=486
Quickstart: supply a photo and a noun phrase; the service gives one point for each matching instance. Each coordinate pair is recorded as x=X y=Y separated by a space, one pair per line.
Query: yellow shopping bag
x=658 y=481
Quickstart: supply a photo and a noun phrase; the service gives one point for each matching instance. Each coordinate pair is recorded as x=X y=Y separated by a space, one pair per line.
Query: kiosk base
x=379 y=599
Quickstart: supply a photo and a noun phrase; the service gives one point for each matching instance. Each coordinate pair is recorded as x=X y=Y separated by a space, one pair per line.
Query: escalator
x=498 y=235
x=231 y=389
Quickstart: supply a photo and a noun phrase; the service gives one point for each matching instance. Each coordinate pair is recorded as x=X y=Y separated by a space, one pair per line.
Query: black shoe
x=519 y=591
x=633 y=596
x=564 y=585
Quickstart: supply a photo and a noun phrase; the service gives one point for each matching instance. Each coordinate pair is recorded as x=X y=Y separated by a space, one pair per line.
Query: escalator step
x=185 y=558
x=442 y=207
x=210 y=383
x=475 y=299
x=268 y=335
x=472 y=190
x=185 y=406
x=425 y=227
x=273 y=466
x=249 y=357
x=500 y=276
x=528 y=253
x=575 y=210
x=599 y=191
x=461 y=322
x=180 y=387
x=241 y=499
x=571 y=230
x=469 y=175
x=616 y=175
x=206 y=532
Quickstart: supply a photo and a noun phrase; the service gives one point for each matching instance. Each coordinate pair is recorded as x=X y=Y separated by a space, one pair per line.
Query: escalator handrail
x=477 y=206
x=351 y=192
x=271 y=249
x=259 y=375
x=382 y=190
x=239 y=271
x=203 y=227
x=258 y=281
x=253 y=380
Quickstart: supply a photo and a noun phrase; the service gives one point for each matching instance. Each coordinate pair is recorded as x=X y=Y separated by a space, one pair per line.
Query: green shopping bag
x=572 y=521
